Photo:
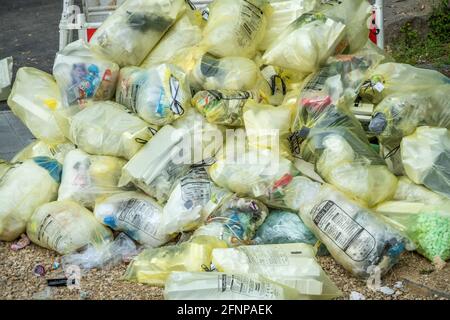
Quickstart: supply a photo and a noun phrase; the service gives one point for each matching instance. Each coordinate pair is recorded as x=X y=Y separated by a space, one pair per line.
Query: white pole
x=379 y=21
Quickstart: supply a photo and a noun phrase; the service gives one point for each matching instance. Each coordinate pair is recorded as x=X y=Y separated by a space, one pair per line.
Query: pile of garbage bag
x=225 y=151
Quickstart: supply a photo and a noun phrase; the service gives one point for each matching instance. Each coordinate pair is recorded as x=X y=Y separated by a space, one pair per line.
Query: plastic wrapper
x=87 y=177
x=268 y=127
x=257 y=173
x=353 y=235
x=153 y=266
x=159 y=95
x=134 y=213
x=33 y=99
x=23 y=188
x=65 y=226
x=183 y=34
x=169 y=155
x=39 y=148
x=108 y=254
x=105 y=128
x=335 y=142
x=236 y=27
x=235 y=221
x=396 y=78
x=409 y=191
x=399 y=114
x=426 y=158
x=292 y=265
x=223 y=107
x=393 y=158
x=134 y=29
x=194 y=197
x=229 y=73
x=82 y=76
x=284 y=12
x=428 y=226
x=223 y=286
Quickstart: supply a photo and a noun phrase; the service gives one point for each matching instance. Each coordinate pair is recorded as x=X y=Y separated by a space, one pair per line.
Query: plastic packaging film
x=39 y=148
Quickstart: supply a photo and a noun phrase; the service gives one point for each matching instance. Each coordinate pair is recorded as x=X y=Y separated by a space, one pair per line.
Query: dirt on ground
x=413 y=278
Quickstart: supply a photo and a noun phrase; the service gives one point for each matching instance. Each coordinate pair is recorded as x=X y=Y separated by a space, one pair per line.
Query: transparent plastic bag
x=134 y=213
x=223 y=286
x=86 y=177
x=191 y=201
x=106 y=128
x=409 y=191
x=284 y=12
x=153 y=266
x=235 y=221
x=23 y=188
x=428 y=226
x=268 y=127
x=236 y=27
x=426 y=158
x=257 y=173
x=399 y=114
x=306 y=43
x=33 y=99
x=134 y=29
x=106 y=255
x=65 y=227
x=396 y=78
x=82 y=75
x=39 y=148
x=183 y=34
x=4 y=167
x=353 y=235
x=159 y=95
x=229 y=73
x=335 y=142
x=292 y=265
x=169 y=155
x=223 y=107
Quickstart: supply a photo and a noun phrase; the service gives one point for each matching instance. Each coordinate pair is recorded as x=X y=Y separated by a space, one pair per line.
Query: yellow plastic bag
x=225 y=286
x=235 y=221
x=256 y=173
x=82 y=76
x=153 y=266
x=86 y=177
x=268 y=127
x=396 y=78
x=39 y=148
x=223 y=107
x=284 y=12
x=23 y=188
x=229 y=73
x=236 y=27
x=33 y=99
x=133 y=30
x=399 y=114
x=353 y=234
x=4 y=167
x=183 y=34
x=409 y=191
x=65 y=226
x=106 y=128
x=426 y=158
x=134 y=213
x=293 y=265
x=159 y=95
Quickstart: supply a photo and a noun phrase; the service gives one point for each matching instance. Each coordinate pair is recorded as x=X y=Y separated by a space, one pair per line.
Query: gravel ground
x=17 y=281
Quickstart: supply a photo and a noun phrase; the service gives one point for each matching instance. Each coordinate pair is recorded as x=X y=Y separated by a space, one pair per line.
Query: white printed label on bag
x=49 y=232
x=265 y=256
x=195 y=188
x=250 y=22
x=344 y=231
x=379 y=87
x=140 y=215
x=248 y=286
